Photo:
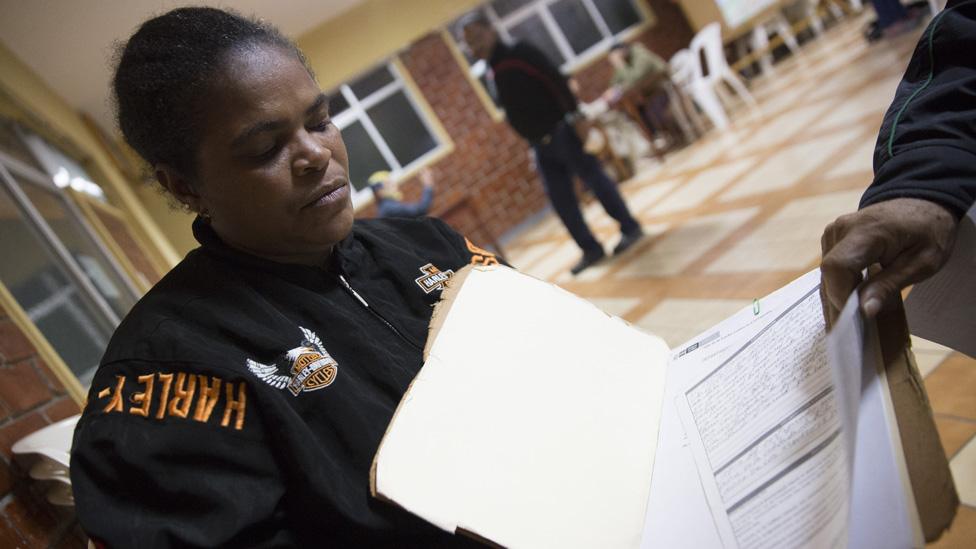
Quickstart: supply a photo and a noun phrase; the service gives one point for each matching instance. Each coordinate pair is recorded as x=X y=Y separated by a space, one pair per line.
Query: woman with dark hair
x=241 y=401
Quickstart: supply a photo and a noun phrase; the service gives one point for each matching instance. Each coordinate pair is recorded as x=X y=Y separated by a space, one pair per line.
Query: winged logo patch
x=310 y=367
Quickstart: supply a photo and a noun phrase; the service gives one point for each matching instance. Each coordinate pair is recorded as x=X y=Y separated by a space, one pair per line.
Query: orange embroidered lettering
x=207 y=399
x=167 y=381
x=480 y=256
x=115 y=405
x=183 y=391
x=143 y=399
x=235 y=406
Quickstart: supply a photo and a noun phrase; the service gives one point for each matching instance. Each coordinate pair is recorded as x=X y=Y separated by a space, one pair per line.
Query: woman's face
x=273 y=173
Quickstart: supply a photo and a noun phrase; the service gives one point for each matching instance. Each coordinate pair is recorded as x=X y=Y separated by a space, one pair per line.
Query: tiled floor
x=738 y=215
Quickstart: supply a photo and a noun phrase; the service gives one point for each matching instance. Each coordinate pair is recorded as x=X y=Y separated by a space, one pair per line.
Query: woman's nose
x=312 y=155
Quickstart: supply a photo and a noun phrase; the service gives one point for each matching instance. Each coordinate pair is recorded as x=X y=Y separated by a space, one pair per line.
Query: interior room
x=759 y=131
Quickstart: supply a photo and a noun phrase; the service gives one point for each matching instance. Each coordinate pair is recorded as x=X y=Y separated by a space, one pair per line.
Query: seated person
x=241 y=401
x=631 y=64
x=924 y=174
x=389 y=199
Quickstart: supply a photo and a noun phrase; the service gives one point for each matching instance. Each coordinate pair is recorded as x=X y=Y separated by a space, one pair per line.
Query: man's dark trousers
x=559 y=158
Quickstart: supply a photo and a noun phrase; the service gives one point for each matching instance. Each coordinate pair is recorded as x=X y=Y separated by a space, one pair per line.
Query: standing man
x=541 y=108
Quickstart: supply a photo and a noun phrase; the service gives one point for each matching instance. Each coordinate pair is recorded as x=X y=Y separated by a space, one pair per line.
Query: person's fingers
x=842 y=266
x=830 y=315
x=909 y=267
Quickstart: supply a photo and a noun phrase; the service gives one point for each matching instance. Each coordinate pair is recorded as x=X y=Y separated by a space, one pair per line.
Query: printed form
x=769 y=431
x=777 y=435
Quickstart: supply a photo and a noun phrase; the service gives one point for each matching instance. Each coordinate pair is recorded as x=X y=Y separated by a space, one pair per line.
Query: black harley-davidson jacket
x=241 y=401
x=927 y=144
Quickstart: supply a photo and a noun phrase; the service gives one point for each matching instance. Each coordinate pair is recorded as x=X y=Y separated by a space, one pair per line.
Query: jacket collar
x=346 y=255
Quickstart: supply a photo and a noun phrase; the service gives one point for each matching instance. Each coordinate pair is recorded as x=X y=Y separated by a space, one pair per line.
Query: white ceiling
x=69 y=42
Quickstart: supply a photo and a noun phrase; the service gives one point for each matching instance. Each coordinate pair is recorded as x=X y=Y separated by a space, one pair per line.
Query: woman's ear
x=178 y=186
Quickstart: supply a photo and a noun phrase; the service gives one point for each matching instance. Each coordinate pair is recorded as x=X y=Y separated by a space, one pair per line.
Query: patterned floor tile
x=525 y=256
x=790 y=239
x=617 y=306
x=643 y=198
x=788 y=167
x=684 y=244
x=962 y=532
x=678 y=320
x=859 y=160
x=779 y=128
x=954 y=432
x=560 y=259
x=963 y=467
x=952 y=385
x=700 y=187
x=598 y=272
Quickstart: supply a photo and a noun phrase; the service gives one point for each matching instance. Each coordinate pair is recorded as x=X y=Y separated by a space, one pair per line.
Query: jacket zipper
x=355 y=294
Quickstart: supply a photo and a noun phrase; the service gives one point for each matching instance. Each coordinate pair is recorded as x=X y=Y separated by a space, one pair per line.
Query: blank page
x=533 y=422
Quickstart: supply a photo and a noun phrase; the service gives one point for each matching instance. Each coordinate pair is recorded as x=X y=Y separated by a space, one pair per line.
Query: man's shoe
x=588 y=260
x=628 y=240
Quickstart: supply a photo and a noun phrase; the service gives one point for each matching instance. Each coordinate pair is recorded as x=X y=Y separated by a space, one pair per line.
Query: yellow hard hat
x=379 y=177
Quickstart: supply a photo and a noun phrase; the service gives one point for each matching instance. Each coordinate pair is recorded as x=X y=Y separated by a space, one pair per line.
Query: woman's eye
x=321 y=126
x=267 y=152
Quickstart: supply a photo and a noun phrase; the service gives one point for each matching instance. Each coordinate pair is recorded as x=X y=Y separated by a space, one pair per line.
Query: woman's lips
x=334 y=192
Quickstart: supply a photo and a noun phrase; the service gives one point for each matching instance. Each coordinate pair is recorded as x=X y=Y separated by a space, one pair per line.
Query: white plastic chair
x=681 y=69
x=760 y=39
x=53 y=445
x=703 y=87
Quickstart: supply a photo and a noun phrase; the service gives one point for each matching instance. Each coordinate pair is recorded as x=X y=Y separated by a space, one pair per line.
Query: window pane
x=534 y=31
x=62 y=168
x=618 y=14
x=337 y=103
x=364 y=157
x=48 y=296
x=505 y=7
x=401 y=128
x=371 y=82
x=11 y=144
x=88 y=256
x=576 y=24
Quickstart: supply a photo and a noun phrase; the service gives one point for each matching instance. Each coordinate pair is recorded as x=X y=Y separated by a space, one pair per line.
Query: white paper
x=765 y=431
x=941 y=309
x=882 y=509
x=534 y=421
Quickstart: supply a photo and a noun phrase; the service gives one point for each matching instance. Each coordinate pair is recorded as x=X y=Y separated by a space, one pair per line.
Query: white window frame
x=357 y=112
x=15 y=175
x=540 y=8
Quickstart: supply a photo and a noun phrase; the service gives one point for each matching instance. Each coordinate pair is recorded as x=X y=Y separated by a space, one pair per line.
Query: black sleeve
x=927 y=144
x=154 y=471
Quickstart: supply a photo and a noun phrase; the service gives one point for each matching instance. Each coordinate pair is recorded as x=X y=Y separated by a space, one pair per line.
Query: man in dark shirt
x=541 y=108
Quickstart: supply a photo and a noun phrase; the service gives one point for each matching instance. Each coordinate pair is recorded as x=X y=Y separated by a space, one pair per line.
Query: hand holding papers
x=535 y=421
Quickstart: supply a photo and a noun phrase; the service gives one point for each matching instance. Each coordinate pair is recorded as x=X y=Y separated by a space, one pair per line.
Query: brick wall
x=30 y=398
x=489 y=164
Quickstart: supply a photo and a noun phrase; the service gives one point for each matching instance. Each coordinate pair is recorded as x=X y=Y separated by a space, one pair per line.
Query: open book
x=539 y=421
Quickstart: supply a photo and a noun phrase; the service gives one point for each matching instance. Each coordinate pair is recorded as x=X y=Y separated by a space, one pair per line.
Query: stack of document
x=540 y=421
